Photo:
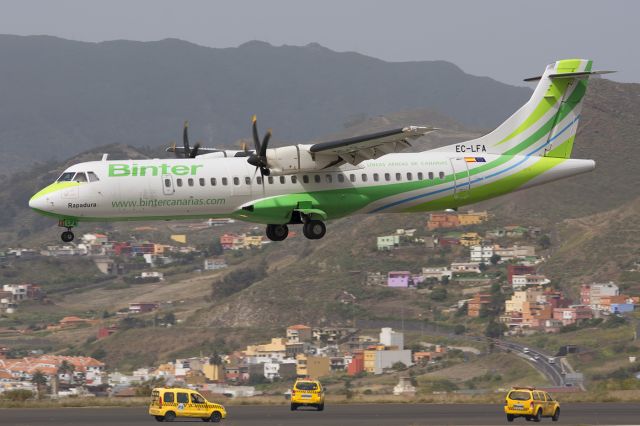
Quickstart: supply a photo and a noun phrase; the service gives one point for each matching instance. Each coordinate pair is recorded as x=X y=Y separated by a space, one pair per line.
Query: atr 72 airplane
x=310 y=184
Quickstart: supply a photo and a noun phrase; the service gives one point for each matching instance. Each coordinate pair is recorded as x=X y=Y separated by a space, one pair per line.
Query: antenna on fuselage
x=104 y=157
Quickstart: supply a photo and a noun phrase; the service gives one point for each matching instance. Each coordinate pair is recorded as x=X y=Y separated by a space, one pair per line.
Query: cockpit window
x=93 y=177
x=66 y=177
x=80 y=177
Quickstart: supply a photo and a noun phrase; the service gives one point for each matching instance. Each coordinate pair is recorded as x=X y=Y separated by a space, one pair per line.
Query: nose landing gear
x=67 y=236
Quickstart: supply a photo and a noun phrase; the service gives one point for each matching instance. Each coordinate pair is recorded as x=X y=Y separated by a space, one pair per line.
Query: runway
x=334 y=415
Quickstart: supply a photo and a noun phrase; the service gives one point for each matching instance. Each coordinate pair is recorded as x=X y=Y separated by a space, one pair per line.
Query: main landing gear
x=312 y=229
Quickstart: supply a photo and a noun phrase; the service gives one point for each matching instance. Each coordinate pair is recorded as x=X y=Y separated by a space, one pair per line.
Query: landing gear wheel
x=67 y=236
x=277 y=232
x=314 y=229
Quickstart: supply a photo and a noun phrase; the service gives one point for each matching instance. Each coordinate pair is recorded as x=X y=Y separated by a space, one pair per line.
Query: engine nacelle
x=295 y=159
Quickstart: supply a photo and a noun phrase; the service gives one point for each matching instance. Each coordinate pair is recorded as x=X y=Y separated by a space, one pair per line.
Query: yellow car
x=307 y=392
x=169 y=403
x=531 y=404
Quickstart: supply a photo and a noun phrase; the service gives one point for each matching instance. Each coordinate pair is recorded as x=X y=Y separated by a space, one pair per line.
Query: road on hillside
x=540 y=360
x=335 y=415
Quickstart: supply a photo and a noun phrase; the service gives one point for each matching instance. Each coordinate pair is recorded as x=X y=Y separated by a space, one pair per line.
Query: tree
x=66 y=368
x=544 y=242
x=445 y=279
x=347 y=388
x=494 y=329
x=399 y=366
x=482 y=266
x=438 y=294
x=215 y=359
x=40 y=380
x=495 y=259
x=459 y=329
x=463 y=310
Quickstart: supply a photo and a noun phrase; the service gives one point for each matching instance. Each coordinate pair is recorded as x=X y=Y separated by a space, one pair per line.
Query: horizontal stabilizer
x=580 y=74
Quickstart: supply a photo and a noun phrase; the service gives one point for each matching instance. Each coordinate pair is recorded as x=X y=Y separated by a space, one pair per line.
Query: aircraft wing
x=369 y=147
x=201 y=150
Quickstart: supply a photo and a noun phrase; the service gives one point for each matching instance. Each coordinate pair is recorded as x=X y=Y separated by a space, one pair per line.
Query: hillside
x=62 y=96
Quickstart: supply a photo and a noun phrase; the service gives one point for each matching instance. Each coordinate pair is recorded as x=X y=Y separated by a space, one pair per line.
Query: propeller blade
x=265 y=143
x=254 y=128
x=185 y=140
x=194 y=151
x=173 y=149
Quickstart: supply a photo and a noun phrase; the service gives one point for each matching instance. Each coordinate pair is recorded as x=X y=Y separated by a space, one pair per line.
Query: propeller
x=188 y=152
x=259 y=158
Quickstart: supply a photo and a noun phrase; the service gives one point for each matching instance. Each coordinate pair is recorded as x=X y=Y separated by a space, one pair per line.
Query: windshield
x=66 y=177
x=306 y=386
x=520 y=395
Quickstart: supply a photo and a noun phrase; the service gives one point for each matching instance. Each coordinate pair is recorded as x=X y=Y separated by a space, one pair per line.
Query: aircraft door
x=461 y=177
x=167 y=185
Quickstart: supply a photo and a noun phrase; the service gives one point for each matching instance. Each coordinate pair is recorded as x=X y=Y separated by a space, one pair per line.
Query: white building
x=386 y=359
x=437 y=273
x=528 y=280
x=152 y=274
x=388 y=337
x=462 y=267
x=514 y=252
x=481 y=254
x=213 y=264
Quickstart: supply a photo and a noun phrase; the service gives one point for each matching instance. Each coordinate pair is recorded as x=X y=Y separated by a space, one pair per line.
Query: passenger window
x=398 y=176
x=168 y=397
x=352 y=177
x=93 y=177
x=376 y=177
x=441 y=174
x=201 y=181
x=305 y=178
x=328 y=178
x=66 y=177
x=190 y=181
x=387 y=177
x=294 y=179
x=364 y=177
x=270 y=180
x=247 y=180
x=183 y=398
x=340 y=178
x=430 y=175
x=179 y=182
x=259 y=180
x=167 y=183
x=225 y=181
x=283 y=180
x=197 y=399
x=80 y=177
x=316 y=178
x=213 y=181
x=236 y=181
x=409 y=176
x=420 y=176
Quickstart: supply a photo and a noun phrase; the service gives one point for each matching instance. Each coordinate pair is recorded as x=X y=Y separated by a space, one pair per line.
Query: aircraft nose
x=37 y=202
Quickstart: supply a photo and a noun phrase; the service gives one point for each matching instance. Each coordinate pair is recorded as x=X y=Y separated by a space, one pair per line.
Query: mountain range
x=60 y=97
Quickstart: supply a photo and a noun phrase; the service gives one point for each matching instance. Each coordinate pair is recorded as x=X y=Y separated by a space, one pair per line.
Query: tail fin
x=546 y=125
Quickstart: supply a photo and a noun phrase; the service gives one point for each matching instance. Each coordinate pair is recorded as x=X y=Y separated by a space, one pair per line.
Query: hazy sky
x=504 y=39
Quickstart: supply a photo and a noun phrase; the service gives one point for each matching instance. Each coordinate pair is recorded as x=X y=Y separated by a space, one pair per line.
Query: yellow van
x=307 y=392
x=169 y=403
x=530 y=403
